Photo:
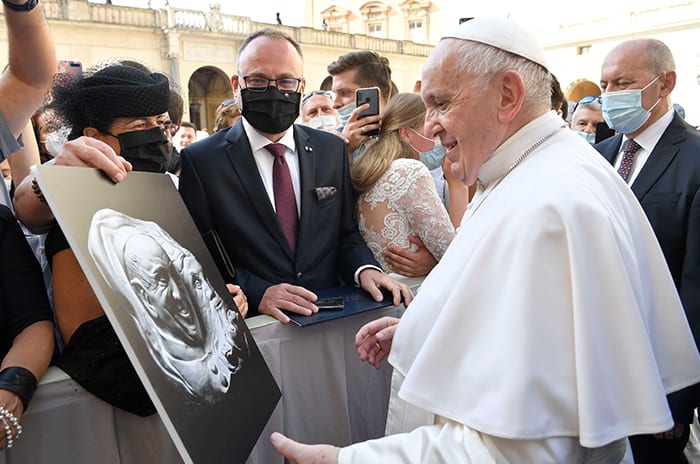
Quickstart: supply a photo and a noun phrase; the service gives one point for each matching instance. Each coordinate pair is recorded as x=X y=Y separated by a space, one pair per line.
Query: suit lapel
x=241 y=156
x=661 y=156
x=306 y=153
x=611 y=148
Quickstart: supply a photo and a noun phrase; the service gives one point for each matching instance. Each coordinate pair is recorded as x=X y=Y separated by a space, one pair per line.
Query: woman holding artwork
x=119 y=114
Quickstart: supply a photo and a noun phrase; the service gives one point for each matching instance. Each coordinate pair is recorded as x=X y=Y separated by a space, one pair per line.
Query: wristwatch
x=28 y=6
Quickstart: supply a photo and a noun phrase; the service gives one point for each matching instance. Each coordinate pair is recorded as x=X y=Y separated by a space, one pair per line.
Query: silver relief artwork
x=190 y=332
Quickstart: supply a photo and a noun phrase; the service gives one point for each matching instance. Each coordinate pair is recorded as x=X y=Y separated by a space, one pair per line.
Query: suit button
x=299 y=275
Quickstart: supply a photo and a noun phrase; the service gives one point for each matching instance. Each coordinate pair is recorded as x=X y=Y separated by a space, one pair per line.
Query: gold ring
x=379 y=347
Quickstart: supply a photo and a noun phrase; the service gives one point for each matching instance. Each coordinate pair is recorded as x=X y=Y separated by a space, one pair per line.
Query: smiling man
x=543 y=333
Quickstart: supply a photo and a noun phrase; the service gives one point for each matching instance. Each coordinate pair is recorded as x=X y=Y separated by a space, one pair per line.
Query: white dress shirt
x=647 y=140
x=265 y=160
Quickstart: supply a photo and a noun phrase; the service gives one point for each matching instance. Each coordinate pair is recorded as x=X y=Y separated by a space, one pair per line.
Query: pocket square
x=324 y=192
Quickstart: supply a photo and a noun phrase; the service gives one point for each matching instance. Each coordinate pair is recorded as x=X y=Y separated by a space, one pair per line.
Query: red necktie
x=285 y=202
x=629 y=149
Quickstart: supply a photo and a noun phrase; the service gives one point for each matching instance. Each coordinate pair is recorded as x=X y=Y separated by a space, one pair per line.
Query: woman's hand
x=239 y=298
x=374 y=340
x=13 y=404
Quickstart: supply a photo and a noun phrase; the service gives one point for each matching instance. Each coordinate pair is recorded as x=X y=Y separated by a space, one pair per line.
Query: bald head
x=645 y=64
x=652 y=54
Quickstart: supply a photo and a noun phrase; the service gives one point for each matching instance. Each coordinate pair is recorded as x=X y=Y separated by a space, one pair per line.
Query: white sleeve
x=449 y=443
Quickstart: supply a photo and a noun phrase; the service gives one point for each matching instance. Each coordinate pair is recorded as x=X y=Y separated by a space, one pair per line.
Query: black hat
x=124 y=91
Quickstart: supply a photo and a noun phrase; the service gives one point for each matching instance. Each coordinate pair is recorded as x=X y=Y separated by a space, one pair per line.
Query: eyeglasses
x=260 y=84
x=325 y=93
x=584 y=100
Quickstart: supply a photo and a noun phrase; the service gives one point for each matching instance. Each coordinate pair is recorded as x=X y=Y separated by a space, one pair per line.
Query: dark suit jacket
x=668 y=189
x=221 y=186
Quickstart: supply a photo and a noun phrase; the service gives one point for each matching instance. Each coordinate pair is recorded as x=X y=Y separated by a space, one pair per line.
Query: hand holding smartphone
x=369 y=95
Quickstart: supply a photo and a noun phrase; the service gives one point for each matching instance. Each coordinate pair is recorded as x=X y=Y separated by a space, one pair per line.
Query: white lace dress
x=403 y=203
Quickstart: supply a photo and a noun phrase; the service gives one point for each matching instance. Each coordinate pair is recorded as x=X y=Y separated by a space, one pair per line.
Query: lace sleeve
x=425 y=212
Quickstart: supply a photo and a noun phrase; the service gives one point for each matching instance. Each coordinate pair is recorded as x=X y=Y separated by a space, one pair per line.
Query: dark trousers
x=649 y=450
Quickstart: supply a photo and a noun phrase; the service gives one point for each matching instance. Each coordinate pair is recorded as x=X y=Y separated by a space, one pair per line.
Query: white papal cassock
x=549 y=331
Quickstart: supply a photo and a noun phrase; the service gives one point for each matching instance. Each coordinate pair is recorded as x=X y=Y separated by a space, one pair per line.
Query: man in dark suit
x=277 y=197
x=658 y=154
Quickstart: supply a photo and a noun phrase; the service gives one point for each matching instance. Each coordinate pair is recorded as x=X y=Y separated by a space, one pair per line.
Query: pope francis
x=551 y=329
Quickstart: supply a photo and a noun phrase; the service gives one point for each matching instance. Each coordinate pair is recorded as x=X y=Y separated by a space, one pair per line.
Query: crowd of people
x=559 y=317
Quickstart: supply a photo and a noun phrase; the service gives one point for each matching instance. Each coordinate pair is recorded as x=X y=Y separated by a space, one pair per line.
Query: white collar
x=259 y=141
x=651 y=135
x=508 y=153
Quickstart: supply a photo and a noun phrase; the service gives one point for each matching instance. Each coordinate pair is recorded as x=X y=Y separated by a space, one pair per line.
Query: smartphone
x=368 y=95
x=602 y=132
x=73 y=68
x=330 y=304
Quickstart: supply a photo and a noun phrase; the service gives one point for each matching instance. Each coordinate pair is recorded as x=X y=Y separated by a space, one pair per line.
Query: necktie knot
x=630 y=146
x=276 y=149
x=629 y=149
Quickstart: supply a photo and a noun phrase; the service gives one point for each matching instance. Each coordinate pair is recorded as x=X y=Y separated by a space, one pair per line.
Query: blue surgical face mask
x=623 y=110
x=590 y=138
x=344 y=113
x=433 y=159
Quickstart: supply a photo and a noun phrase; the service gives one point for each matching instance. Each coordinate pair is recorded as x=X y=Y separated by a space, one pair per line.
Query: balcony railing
x=213 y=21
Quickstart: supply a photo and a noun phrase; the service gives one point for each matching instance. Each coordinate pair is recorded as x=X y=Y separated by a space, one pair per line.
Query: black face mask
x=271 y=111
x=146 y=150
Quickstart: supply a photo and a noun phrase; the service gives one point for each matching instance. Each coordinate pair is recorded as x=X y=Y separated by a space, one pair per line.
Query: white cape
x=552 y=312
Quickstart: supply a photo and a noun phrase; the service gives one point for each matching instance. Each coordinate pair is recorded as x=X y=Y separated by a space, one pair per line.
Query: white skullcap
x=503 y=34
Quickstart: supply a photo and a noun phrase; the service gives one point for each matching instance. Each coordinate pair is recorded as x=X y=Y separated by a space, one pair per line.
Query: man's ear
x=91 y=132
x=511 y=88
x=668 y=83
x=234 y=83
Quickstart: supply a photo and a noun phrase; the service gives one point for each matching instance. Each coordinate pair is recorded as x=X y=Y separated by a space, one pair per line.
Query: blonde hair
x=404 y=110
x=227 y=110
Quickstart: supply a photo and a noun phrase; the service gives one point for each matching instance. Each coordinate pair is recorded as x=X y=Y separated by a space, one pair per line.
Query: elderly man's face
x=317 y=105
x=585 y=120
x=626 y=67
x=167 y=288
x=462 y=116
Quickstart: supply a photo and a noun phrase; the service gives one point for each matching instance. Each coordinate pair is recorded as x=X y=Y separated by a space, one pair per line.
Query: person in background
x=187 y=134
x=227 y=114
x=559 y=103
x=26 y=322
x=656 y=153
x=586 y=115
x=350 y=72
x=551 y=329
x=176 y=106
x=26 y=330
x=44 y=124
x=396 y=193
x=317 y=110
